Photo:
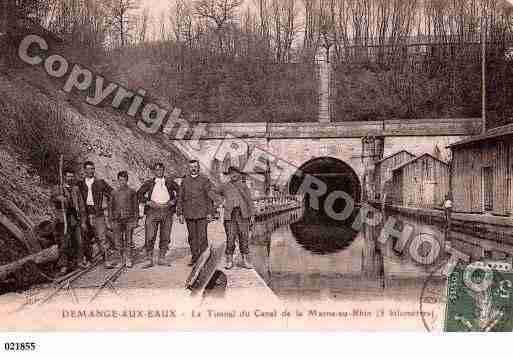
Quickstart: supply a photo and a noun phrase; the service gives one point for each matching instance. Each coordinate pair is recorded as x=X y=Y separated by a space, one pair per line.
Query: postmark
x=433 y=299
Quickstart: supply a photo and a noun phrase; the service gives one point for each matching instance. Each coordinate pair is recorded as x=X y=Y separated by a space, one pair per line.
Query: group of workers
x=80 y=216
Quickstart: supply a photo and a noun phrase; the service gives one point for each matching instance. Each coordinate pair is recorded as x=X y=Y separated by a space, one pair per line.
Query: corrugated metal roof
x=494 y=133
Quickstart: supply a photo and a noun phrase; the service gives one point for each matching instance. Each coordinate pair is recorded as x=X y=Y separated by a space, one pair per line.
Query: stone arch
x=336 y=174
x=317 y=231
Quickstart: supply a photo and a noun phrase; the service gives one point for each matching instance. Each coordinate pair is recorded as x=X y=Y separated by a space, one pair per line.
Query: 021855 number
x=27 y=346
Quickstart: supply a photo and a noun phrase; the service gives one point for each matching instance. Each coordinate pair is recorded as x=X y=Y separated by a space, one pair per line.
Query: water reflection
x=288 y=254
x=317 y=261
x=322 y=238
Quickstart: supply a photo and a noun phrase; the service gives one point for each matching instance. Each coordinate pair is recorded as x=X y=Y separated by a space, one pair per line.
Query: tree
x=284 y=14
x=220 y=13
x=142 y=25
x=310 y=28
x=13 y=11
x=122 y=20
x=82 y=23
x=182 y=23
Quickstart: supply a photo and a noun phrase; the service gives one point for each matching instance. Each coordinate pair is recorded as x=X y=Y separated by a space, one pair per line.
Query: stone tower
x=372 y=151
x=324 y=75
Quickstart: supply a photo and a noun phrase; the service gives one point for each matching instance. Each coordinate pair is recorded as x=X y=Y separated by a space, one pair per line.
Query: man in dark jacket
x=123 y=214
x=195 y=206
x=93 y=191
x=159 y=196
x=239 y=212
x=70 y=243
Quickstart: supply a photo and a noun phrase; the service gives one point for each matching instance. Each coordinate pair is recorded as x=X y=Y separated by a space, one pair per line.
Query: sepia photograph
x=256 y=165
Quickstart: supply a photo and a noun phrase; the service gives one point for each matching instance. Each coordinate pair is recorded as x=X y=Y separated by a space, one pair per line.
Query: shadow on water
x=312 y=259
x=322 y=237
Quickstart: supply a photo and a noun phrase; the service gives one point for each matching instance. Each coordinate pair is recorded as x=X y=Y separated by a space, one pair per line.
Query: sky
x=158 y=6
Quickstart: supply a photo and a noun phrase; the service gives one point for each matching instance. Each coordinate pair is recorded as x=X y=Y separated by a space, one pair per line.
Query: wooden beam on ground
x=45 y=256
x=17 y=233
x=16 y=211
x=16 y=221
x=205 y=268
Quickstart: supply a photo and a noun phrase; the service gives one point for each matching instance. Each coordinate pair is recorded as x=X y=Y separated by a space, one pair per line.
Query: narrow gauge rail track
x=66 y=283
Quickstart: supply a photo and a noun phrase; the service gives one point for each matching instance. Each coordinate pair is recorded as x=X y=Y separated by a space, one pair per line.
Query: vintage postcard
x=256 y=165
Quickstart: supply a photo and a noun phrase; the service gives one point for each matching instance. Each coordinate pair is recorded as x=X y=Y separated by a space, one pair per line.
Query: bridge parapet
x=353 y=129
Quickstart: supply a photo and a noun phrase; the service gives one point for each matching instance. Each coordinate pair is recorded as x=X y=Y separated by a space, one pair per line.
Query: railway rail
x=67 y=284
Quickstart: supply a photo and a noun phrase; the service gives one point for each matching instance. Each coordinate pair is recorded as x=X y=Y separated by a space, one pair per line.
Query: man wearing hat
x=160 y=197
x=239 y=211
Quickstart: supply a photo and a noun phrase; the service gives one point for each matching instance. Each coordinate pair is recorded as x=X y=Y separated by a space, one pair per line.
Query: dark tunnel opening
x=320 y=231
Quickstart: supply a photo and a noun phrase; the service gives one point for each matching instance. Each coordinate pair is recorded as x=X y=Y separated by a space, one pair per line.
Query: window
x=487 y=176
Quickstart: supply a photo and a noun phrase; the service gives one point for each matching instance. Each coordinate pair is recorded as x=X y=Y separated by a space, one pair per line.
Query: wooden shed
x=421 y=182
x=481 y=173
x=383 y=169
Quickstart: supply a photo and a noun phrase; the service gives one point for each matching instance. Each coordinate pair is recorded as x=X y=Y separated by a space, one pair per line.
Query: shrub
x=40 y=133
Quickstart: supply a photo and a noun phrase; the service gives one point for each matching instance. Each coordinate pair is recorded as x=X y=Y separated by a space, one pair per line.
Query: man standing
x=239 y=211
x=195 y=205
x=448 y=211
x=70 y=243
x=123 y=214
x=93 y=191
x=159 y=196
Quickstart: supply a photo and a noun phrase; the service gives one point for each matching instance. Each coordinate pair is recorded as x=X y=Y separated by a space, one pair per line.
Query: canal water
x=318 y=261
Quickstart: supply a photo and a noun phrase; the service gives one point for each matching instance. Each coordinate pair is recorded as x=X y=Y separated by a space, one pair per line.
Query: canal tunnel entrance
x=331 y=190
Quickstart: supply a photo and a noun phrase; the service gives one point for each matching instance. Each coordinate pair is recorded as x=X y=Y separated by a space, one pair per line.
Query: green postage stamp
x=479 y=298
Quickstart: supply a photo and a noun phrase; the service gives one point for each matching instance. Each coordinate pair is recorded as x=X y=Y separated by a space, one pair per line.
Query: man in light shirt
x=448 y=210
x=159 y=196
x=94 y=191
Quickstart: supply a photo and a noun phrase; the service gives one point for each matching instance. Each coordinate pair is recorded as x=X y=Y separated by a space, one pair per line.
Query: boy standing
x=123 y=214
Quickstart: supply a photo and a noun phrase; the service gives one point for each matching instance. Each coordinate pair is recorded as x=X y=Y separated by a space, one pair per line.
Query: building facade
x=481 y=173
x=422 y=182
x=383 y=169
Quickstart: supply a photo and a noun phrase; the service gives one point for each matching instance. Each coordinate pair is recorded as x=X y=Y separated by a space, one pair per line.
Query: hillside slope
x=103 y=136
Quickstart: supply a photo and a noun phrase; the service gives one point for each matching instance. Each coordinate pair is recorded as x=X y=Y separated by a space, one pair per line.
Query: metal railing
x=268 y=205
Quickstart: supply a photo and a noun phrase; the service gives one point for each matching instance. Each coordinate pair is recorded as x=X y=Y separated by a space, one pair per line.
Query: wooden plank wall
x=395 y=189
x=383 y=171
x=466 y=180
x=510 y=166
x=441 y=176
x=425 y=183
x=500 y=176
x=467 y=187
